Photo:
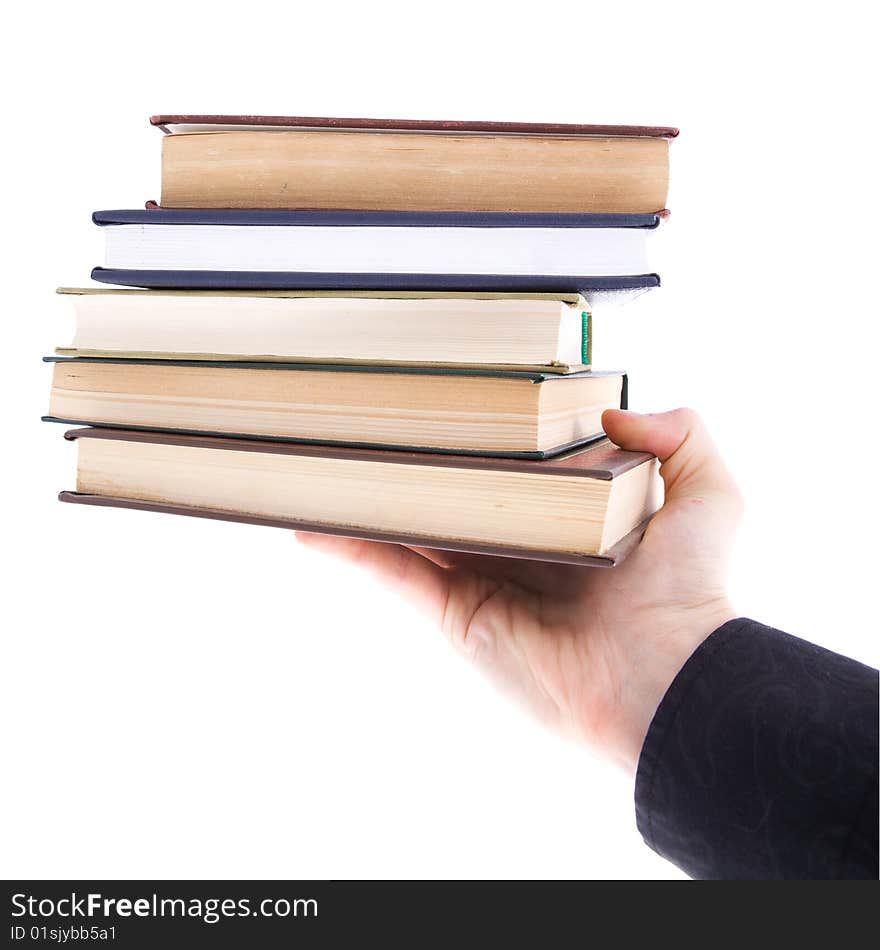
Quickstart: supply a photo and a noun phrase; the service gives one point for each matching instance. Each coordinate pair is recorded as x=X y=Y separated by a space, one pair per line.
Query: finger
x=691 y=465
x=530 y=574
x=417 y=579
x=516 y=569
x=435 y=555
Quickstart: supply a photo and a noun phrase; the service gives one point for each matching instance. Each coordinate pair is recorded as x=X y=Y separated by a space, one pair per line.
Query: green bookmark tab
x=586 y=341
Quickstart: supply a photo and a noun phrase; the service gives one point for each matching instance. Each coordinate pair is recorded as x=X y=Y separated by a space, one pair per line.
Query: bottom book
x=588 y=506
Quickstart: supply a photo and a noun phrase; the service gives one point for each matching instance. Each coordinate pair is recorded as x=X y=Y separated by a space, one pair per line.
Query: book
x=514 y=331
x=386 y=164
x=335 y=250
x=586 y=507
x=375 y=251
x=453 y=410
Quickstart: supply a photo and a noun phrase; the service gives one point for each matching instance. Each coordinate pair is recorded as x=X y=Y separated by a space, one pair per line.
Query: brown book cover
x=453 y=126
x=600 y=461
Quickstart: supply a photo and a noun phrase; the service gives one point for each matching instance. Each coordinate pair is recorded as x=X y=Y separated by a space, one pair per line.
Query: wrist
x=656 y=660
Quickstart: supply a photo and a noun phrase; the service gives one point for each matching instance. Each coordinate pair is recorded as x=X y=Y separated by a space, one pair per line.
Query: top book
x=298 y=162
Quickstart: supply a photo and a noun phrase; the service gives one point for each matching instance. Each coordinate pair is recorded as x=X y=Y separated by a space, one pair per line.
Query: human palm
x=590 y=651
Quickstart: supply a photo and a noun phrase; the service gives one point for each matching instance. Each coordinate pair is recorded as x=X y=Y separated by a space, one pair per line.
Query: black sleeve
x=761 y=761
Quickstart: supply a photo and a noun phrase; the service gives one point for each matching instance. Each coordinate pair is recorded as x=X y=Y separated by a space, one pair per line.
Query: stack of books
x=372 y=328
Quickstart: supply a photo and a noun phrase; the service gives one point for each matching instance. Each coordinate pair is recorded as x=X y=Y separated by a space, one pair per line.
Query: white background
x=193 y=699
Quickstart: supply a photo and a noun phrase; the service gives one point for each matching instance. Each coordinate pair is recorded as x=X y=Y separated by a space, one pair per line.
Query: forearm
x=761 y=761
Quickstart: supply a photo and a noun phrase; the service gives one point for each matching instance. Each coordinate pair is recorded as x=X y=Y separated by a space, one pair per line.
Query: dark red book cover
x=453 y=126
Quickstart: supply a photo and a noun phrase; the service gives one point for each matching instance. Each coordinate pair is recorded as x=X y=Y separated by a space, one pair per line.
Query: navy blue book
x=376 y=250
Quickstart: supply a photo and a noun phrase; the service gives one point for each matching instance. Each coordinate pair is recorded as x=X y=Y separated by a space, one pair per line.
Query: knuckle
x=689 y=416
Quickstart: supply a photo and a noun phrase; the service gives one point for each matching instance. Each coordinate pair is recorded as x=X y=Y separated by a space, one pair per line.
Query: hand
x=590 y=650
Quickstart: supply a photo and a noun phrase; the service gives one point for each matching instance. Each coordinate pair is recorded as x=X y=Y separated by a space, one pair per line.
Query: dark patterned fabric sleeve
x=761 y=761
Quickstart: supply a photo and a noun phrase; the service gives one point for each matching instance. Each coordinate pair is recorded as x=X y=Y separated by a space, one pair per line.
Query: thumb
x=691 y=465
